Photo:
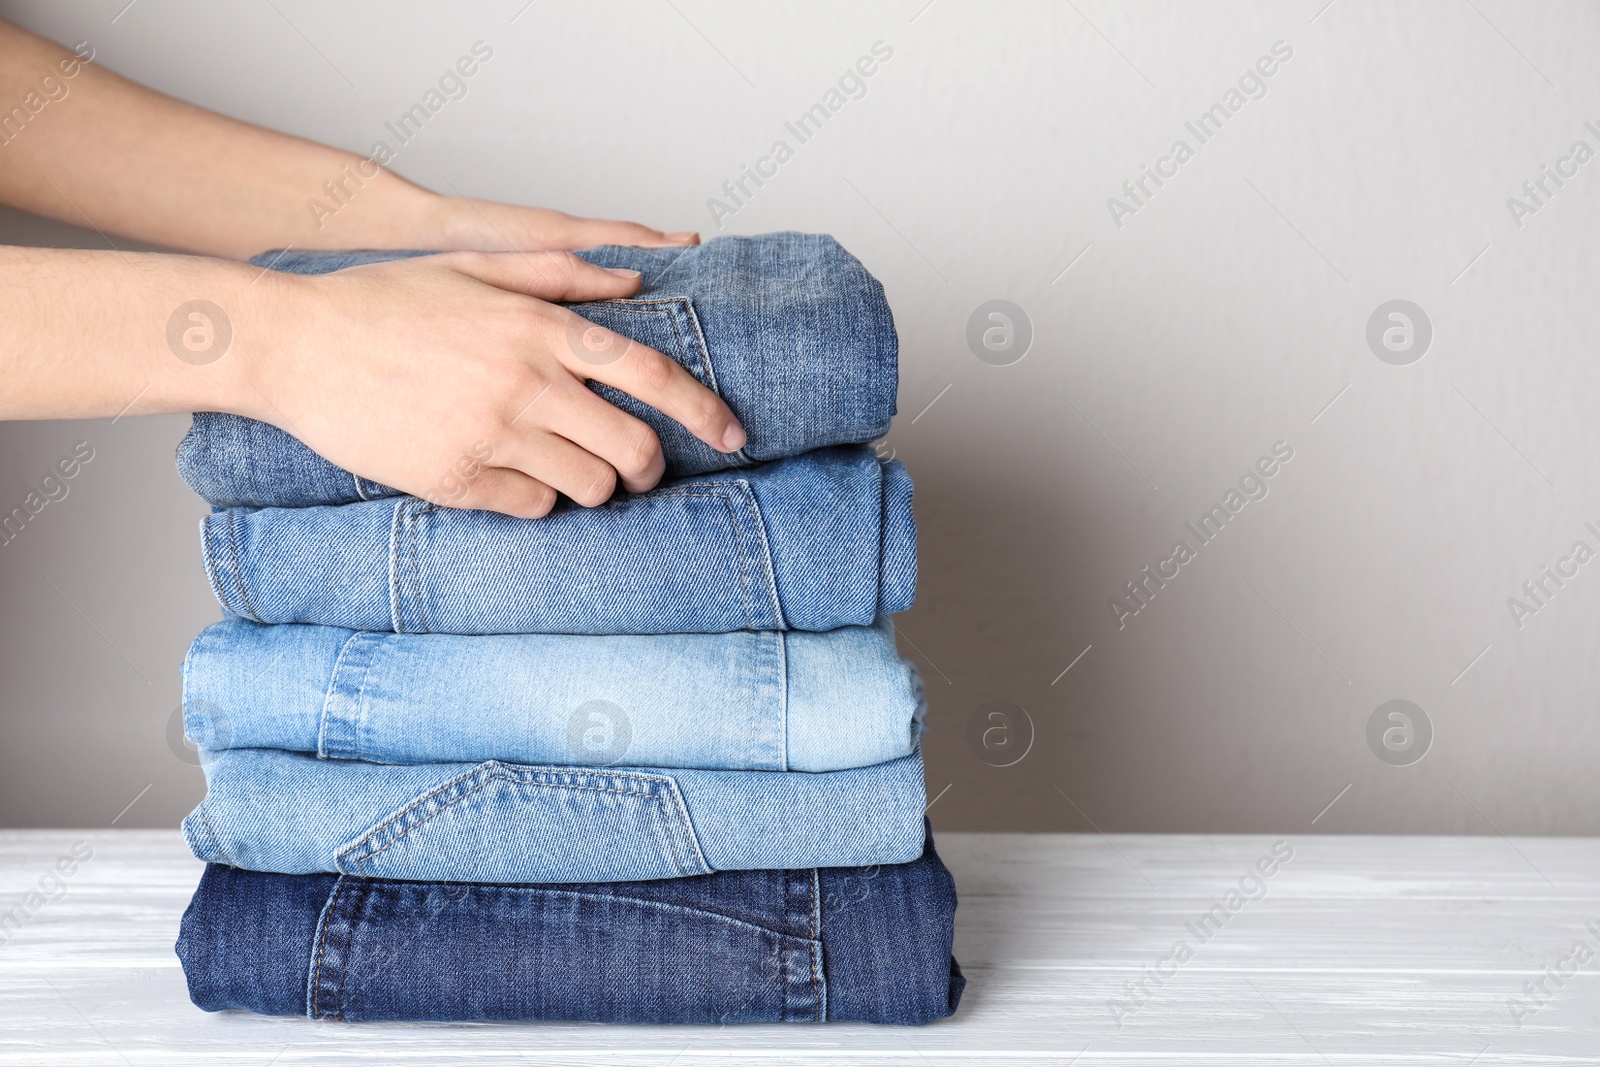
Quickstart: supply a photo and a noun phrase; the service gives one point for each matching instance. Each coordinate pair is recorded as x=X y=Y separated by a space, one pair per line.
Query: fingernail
x=688 y=237
x=623 y=272
x=733 y=438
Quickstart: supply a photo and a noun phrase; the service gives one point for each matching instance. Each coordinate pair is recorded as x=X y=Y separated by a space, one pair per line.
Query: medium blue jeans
x=860 y=944
x=506 y=822
x=811 y=543
x=749 y=701
x=788 y=328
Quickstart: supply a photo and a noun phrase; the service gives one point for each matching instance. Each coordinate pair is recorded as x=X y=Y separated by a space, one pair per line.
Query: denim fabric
x=811 y=543
x=788 y=328
x=842 y=944
x=745 y=701
x=506 y=822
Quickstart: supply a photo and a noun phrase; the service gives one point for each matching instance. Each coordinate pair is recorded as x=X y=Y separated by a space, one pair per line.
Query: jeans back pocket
x=504 y=822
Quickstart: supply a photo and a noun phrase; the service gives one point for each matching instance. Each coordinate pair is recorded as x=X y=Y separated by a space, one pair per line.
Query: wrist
x=453 y=223
x=219 y=338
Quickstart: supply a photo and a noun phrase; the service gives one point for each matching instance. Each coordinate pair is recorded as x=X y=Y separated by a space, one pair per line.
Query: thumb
x=555 y=276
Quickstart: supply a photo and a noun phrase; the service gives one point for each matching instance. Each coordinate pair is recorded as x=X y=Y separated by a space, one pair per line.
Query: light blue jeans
x=811 y=543
x=788 y=328
x=744 y=701
x=267 y=810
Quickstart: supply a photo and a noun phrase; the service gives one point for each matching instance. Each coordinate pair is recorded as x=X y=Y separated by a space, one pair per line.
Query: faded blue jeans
x=749 y=701
x=788 y=328
x=864 y=944
x=811 y=543
x=501 y=822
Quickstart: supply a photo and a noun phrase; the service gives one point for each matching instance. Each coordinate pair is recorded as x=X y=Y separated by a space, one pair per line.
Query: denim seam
x=198 y=819
x=314 y=979
x=763 y=548
x=234 y=568
x=783 y=694
x=800 y=893
x=413 y=530
x=237 y=569
x=406 y=530
x=499 y=775
x=665 y=304
x=693 y=316
x=700 y=349
x=741 y=550
x=212 y=565
x=608 y=898
x=355 y=721
x=819 y=976
x=493 y=777
x=333 y=688
x=395 y=621
x=670 y=786
x=760 y=528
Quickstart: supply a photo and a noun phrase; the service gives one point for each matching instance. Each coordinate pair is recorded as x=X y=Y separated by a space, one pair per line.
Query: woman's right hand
x=457 y=378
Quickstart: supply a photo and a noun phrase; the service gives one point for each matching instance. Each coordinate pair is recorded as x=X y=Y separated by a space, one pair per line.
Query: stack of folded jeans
x=655 y=761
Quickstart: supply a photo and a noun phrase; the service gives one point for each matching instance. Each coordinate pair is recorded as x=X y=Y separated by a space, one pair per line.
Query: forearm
x=87 y=334
x=107 y=153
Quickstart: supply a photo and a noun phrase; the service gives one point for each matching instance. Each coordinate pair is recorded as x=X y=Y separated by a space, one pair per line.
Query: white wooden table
x=1361 y=950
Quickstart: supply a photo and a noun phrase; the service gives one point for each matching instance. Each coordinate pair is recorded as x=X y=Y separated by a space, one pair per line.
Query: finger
x=586 y=233
x=507 y=491
x=562 y=465
x=546 y=275
x=640 y=371
x=610 y=433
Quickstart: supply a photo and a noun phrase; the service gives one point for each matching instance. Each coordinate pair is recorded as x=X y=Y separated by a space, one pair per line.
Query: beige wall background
x=1164 y=338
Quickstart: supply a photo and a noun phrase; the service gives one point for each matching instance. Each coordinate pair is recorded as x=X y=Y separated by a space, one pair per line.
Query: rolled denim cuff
x=788 y=328
x=862 y=944
x=812 y=543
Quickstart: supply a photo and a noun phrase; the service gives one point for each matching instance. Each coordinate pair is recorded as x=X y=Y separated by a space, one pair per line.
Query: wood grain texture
x=1356 y=950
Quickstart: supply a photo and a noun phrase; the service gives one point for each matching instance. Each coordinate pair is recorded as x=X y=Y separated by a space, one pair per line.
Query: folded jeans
x=752 y=701
x=859 y=944
x=811 y=543
x=788 y=328
x=269 y=810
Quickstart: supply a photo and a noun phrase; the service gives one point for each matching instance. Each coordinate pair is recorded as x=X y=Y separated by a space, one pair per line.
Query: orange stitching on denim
x=322 y=945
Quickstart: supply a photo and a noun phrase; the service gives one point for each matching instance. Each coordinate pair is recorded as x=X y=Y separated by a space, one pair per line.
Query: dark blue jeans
x=789 y=328
x=865 y=944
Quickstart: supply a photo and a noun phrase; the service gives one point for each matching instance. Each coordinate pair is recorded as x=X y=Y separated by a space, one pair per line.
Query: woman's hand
x=454 y=378
x=458 y=222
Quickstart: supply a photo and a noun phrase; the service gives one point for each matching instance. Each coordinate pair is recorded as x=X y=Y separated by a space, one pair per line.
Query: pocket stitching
x=500 y=773
x=698 y=353
x=328 y=695
x=733 y=525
